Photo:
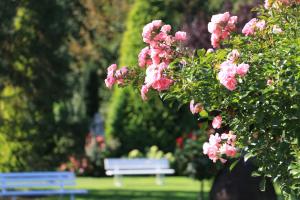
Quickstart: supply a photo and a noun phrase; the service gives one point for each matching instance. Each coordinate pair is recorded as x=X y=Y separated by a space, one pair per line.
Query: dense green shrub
x=248 y=85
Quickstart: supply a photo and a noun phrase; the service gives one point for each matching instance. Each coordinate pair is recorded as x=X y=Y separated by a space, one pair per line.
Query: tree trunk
x=238 y=184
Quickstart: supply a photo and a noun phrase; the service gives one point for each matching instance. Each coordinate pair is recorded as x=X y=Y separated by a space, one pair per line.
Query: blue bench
x=38 y=184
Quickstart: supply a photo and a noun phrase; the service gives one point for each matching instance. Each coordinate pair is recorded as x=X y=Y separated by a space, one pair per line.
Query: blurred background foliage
x=53 y=60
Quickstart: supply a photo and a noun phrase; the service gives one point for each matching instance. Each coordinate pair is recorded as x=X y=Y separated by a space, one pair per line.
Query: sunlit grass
x=140 y=188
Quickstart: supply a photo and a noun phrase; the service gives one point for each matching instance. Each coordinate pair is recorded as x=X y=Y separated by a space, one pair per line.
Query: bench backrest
x=16 y=180
x=138 y=163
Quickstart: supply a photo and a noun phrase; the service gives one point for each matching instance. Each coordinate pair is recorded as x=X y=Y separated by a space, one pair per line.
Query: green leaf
x=262 y=184
x=248 y=156
x=233 y=165
x=255 y=174
x=203 y=114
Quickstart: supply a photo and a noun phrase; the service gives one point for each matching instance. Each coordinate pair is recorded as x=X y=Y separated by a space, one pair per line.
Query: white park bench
x=141 y=166
x=38 y=184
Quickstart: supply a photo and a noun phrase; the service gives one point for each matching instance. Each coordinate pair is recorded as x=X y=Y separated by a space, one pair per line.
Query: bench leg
x=118 y=180
x=72 y=197
x=160 y=179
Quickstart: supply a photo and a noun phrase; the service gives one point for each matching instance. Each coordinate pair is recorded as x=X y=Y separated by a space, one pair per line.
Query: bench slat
x=39 y=174
x=37 y=185
x=42 y=192
x=140 y=163
x=139 y=172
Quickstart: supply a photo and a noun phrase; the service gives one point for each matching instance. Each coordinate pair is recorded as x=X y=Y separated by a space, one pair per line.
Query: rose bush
x=248 y=86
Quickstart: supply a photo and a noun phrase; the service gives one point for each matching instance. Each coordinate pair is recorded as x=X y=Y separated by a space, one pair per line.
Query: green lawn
x=139 y=188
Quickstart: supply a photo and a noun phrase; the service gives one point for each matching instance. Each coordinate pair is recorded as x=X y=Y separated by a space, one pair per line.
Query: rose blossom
x=144 y=92
x=230 y=137
x=211 y=151
x=115 y=76
x=233 y=56
x=252 y=26
x=162 y=84
x=180 y=36
x=166 y=28
x=215 y=147
x=227 y=149
x=110 y=81
x=242 y=69
x=195 y=108
x=228 y=81
x=270 y=82
x=143 y=57
x=220 y=27
x=276 y=29
x=249 y=28
x=217 y=122
x=261 y=25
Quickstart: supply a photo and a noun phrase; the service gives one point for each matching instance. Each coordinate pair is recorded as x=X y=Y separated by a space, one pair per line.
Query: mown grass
x=139 y=188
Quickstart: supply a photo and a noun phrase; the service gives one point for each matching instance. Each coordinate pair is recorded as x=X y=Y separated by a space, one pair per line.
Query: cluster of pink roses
x=115 y=76
x=157 y=56
x=219 y=146
x=229 y=69
x=269 y=3
x=220 y=27
x=253 y=25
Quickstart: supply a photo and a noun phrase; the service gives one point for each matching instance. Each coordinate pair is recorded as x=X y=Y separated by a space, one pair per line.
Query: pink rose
x=267 y=4
x=227 y=149
x=111 y=69
x=162 y=84
x=215 y=139
x=261 y=25
x=147 y=32
x=152 y=75
x=124 y=70
x=160 y=36
x=211 y=151
x=162 y=66
x=220 y=27
x=110 y=81
x=233 y=20
x=217 y=122
x=144 y=92
x=276 y=29
x=215 y=41
x=233 y=56
x=249 y=28
x=195 y=108
x=220 y=18
x=166 y=28
x=180 y=36
x=212 y=27
x=143 y=57
x=230 y=137
x=157 y=23
x=229 y=68
x=270 y=82
x=228 y=81
x=242 y=69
